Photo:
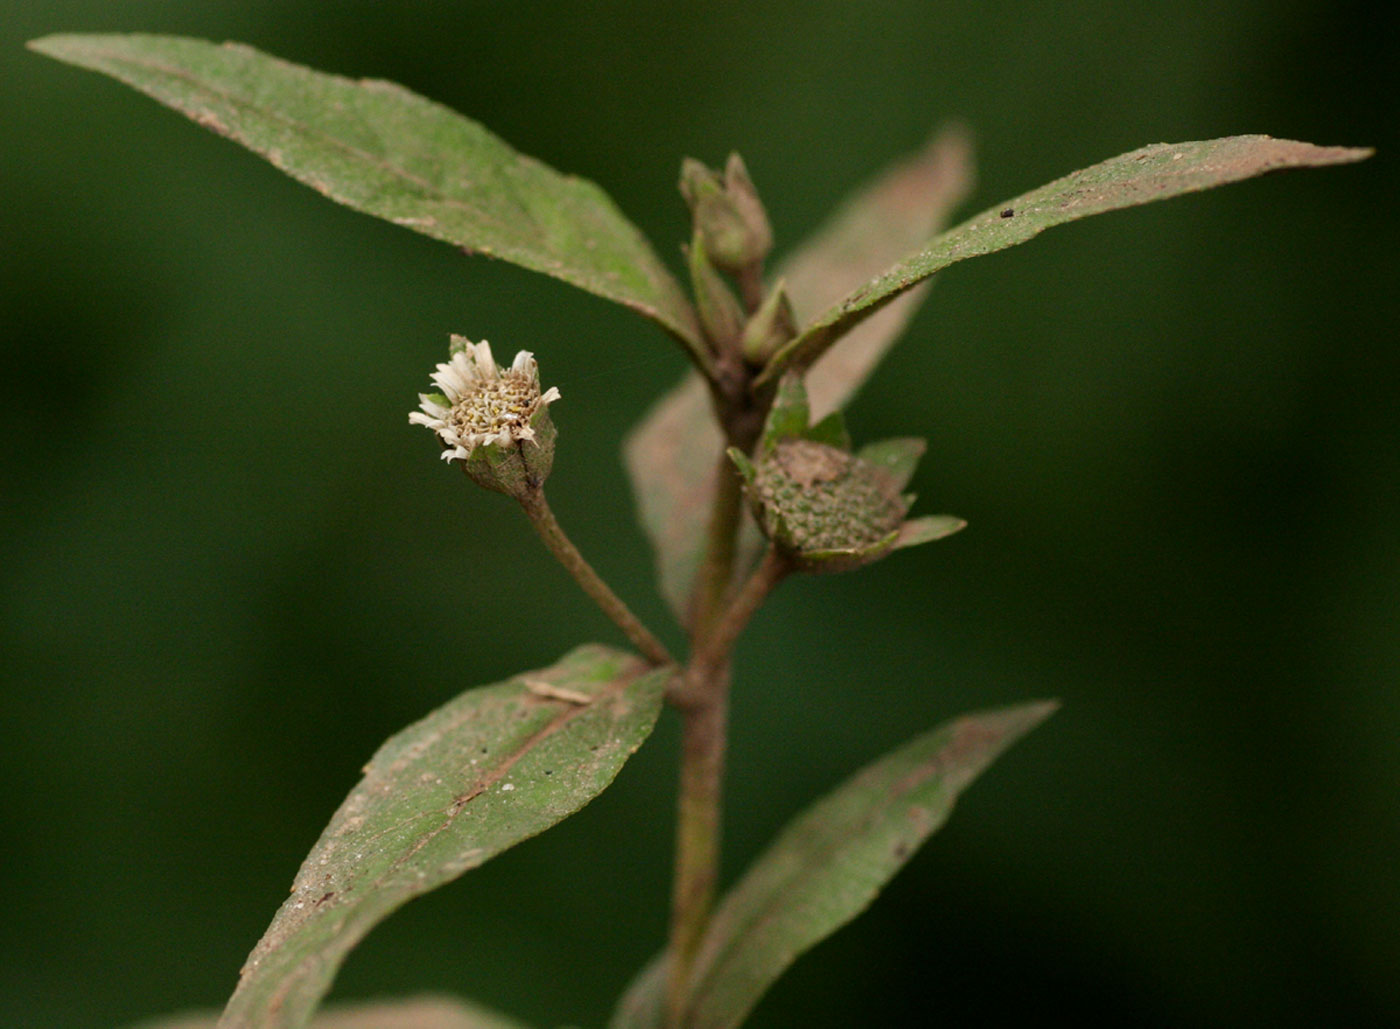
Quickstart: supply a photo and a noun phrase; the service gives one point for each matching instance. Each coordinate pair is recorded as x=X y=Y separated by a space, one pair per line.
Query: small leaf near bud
x=789 y=416
x=772 y=325
x=719 y=310
x=493 y=420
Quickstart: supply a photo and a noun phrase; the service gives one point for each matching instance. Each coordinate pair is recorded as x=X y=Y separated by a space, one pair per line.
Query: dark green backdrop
x=228 y=567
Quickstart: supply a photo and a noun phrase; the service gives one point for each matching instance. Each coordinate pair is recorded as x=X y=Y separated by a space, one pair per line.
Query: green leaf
x=1154 y=172
x=673 y=453
x=378 y=148
x=832 y=431
x=493 y=767
x=927 y=529
x=900 y=210
x=829 y=864
x=643 y=1004
x=899 y=456
x=789 y=417
x=427 y=1012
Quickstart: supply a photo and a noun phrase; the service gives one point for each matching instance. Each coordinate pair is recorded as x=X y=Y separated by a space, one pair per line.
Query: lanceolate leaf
x=673 y=454
x=899 y=211
x=411 y=1013
x=492 y=768
x=1152 y=173
x=829 y=864
x=383 y=150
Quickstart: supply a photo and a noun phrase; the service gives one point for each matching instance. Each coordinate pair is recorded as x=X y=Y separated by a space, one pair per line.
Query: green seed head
x=811 y=497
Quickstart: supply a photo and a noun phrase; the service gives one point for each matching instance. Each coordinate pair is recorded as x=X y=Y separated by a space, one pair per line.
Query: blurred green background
x=229 y=568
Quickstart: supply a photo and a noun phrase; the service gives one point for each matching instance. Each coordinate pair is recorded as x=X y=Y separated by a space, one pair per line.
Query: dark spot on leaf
x=901 y=850
x=325 y=897
x=1008 y=212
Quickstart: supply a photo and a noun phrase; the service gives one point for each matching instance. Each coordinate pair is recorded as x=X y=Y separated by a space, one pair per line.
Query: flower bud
x=727 y=213
x=493 y=420
x=824 y=507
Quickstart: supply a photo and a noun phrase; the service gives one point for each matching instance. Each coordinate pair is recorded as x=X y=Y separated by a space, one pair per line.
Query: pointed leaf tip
x=1151 y=173
x=383 y=150
x=827 y=865
x=928 y=529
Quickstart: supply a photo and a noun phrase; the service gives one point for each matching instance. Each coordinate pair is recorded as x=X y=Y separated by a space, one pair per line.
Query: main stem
x=552 y=533
x=704 y=702
x=702 y=692
x=703 y=733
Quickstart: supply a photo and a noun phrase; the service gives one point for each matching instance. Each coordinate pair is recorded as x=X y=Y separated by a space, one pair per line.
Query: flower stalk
x=537 y=509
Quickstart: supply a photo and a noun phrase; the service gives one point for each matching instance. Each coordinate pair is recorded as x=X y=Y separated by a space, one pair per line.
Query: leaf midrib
x=425 y=189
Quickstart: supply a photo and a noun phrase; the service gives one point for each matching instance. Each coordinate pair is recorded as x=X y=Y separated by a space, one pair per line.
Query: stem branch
x=552 y=533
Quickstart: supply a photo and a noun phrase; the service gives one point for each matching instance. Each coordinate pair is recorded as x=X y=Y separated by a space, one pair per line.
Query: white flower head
x=481 y=403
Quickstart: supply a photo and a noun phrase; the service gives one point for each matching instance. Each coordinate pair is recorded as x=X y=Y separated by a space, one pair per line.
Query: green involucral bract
x=825 y=508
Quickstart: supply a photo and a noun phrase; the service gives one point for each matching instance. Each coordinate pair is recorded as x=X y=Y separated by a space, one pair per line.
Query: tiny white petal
x=522 y=361
x=550 y=396
x=419 y=418
x=485 y=363
x=451 y=382
x=432 y=407
x=462 y=365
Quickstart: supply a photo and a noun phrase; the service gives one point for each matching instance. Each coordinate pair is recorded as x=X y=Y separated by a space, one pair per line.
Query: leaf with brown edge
x=672 y=459
x=1155 y=172
x=826 y=867
x=425 y=1012
x=485 y=771
x=383 y=150
x=901 y=209
x=672 y=456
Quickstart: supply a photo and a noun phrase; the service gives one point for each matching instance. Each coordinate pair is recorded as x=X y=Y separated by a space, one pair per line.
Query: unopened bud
x=727 y=213
x=493 y=420
x=825 y=508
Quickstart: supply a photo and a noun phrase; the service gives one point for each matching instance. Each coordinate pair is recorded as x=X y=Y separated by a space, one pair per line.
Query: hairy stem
x=717 y=569
x=714 y=649
x=542 y=518
x=703 y=735
x=704 y=702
